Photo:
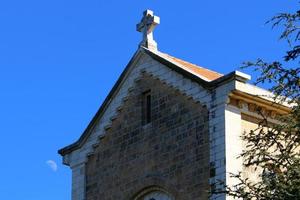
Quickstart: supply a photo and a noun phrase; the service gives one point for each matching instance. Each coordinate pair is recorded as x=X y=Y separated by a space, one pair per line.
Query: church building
x=168 y=129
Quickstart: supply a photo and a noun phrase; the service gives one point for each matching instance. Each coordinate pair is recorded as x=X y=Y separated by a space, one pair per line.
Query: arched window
x=154 y=194
x=157 y=195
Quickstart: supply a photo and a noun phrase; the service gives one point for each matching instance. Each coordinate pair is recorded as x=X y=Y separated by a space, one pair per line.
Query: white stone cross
x=146 y=26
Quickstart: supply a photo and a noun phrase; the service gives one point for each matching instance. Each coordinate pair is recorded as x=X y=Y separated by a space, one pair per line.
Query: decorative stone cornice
x=256 y=105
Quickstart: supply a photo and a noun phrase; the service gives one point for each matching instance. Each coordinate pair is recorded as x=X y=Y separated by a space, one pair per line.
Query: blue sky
x=60 y=58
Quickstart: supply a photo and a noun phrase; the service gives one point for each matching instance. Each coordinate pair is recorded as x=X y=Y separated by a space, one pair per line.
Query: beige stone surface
x=249 y=172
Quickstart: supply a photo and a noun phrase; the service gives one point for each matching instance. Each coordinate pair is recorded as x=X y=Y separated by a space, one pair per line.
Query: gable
x=173 y=73
x=212 y=94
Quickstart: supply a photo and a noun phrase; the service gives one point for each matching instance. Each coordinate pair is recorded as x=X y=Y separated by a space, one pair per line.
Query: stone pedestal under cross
x=146 y=26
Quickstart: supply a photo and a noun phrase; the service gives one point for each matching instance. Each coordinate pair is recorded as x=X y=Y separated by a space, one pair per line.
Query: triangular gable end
x=144 y=60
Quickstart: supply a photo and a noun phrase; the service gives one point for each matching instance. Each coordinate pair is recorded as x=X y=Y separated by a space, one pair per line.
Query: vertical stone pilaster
x=78 y=181
x=217 y=149
x=234 y=144
x=218 y=138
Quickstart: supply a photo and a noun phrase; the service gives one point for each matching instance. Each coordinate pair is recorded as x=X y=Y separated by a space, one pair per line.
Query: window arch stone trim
x=154 y=183
x=151 y=189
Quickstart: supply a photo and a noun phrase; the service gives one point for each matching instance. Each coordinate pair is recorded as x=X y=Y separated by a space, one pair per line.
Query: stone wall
x=171 y=152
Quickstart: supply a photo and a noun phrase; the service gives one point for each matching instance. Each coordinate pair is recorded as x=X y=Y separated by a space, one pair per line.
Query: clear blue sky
x=60 y=58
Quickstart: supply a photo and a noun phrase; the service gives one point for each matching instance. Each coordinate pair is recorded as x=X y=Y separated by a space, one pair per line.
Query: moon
x=52 y=164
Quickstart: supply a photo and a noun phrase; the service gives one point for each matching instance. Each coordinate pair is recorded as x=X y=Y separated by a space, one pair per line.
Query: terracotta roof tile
x=207 y=74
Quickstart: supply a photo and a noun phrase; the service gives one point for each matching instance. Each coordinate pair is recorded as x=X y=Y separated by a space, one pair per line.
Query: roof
x=204 y=77
x=202 y=72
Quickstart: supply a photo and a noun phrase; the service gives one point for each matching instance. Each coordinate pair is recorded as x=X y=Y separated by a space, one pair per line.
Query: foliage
x=274 y=148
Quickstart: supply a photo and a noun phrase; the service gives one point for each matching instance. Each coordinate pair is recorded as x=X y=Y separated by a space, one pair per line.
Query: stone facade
x=220 y=116
x=171 y=152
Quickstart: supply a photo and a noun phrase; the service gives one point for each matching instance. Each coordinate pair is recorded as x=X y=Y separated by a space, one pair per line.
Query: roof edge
x=68 y=149
x=235 y=75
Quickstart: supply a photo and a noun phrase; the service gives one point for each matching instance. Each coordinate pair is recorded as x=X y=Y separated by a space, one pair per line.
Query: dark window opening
x=146 y=107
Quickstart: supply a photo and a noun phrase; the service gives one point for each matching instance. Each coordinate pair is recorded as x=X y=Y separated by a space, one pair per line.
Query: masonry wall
x=171 y=152
x=249 y=124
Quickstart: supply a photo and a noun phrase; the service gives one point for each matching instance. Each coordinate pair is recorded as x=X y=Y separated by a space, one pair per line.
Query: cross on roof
x=146 y=26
